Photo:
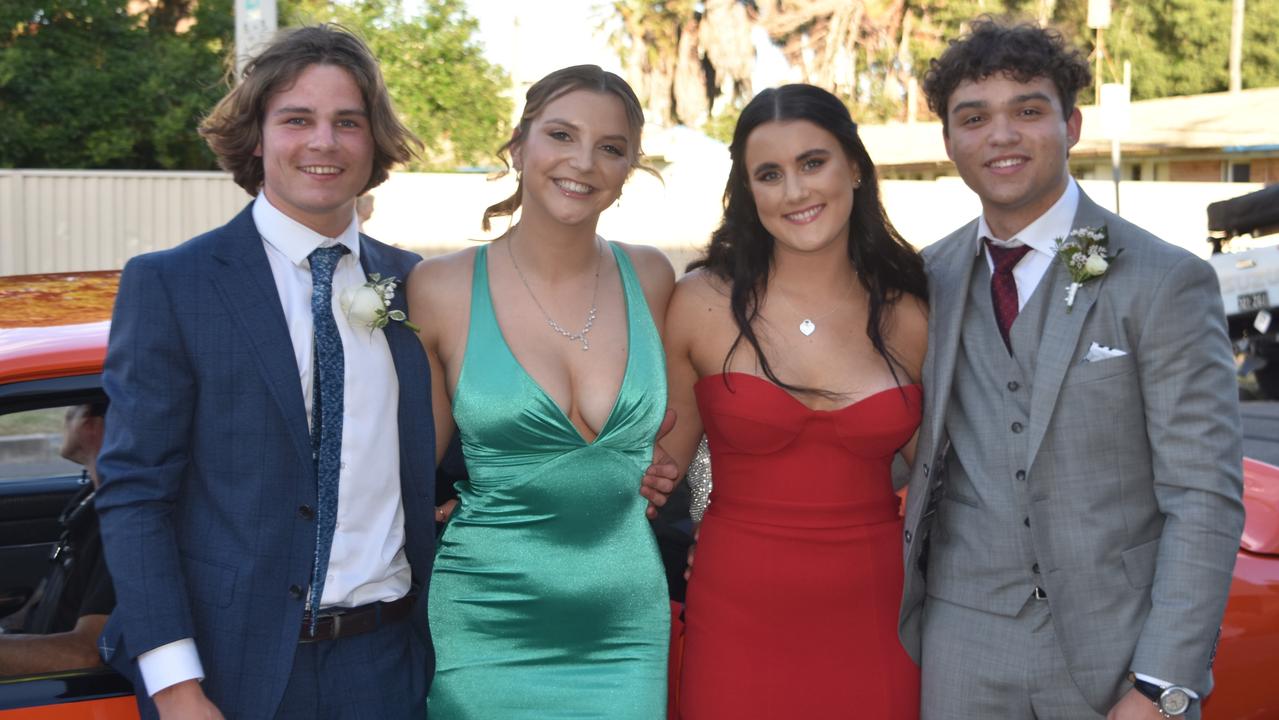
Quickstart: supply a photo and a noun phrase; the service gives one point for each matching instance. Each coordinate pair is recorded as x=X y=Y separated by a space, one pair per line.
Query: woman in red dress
x=795 y=344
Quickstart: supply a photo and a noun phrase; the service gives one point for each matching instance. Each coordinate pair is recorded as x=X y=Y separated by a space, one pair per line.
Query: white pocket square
x=1098 y=352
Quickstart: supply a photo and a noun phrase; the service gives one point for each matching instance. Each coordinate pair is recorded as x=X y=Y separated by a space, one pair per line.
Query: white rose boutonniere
x=1086 y=254
x=369 y=304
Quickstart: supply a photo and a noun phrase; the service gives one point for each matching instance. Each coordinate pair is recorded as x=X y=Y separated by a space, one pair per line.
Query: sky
x=532 y=38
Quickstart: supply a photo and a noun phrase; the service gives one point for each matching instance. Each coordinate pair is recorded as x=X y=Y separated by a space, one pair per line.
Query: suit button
x=295 y=591
x=1026 y=522
x=1021 y=474
x=925 y=470
x=305 y=512
x=1035 y=568
x=1013 y=386
x=1016 y=427
x=908 y=537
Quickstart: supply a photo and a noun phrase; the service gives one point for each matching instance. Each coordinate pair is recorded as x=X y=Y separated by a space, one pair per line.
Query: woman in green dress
x=548 y=597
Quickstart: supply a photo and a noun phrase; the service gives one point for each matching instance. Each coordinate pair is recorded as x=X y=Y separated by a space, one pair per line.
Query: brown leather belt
x=347 y=622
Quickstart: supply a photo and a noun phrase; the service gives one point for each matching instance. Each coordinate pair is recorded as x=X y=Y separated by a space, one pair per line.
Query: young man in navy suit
x=267 y=494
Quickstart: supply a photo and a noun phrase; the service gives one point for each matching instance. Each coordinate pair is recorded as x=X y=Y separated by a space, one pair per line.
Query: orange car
x=53 y=335
x=53 y=332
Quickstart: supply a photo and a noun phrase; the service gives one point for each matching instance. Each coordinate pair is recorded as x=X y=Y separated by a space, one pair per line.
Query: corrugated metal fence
x=72 y=220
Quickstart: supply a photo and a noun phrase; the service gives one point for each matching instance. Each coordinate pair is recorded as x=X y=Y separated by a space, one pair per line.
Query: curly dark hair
x=233 y=129
x=741 y=249
x=1022 y=51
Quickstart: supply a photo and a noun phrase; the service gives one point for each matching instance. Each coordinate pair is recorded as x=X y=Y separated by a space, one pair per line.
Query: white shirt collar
x=295 y=240
x=1042 y=234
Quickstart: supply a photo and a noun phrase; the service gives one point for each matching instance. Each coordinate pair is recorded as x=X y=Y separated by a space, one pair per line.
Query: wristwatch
x=1173 y=701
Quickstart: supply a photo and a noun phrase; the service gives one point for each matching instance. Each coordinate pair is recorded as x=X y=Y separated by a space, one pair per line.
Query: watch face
x=1174 y=701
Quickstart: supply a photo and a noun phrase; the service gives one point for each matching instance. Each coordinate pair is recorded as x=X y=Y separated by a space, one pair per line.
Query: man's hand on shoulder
x=662 y=476
x=185 y=701
x=1134 y=706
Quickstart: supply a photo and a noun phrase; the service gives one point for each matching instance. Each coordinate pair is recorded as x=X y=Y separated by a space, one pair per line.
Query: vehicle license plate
x=1254 y=300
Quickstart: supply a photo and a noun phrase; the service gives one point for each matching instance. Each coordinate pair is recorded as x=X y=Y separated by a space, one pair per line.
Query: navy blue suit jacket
x=207 y=461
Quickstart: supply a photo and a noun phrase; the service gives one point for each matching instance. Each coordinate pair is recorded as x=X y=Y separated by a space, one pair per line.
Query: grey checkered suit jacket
x=1136 y=538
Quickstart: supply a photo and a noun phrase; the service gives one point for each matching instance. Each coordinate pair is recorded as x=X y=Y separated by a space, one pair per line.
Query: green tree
x=87 y=84
x=84 y=83
x=1181 y=47
x=442 y=86
x=867 y=51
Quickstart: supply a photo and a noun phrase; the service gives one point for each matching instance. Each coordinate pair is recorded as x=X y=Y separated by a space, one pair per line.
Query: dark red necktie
x=1003 y=287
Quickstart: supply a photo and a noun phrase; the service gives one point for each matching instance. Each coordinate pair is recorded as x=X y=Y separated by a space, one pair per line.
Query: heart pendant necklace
x=808 y=325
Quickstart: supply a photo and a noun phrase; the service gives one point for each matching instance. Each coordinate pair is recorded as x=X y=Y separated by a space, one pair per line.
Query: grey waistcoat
x=982 y=552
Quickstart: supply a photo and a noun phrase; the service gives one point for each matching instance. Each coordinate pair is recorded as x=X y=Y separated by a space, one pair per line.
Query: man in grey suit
x=1075 y=504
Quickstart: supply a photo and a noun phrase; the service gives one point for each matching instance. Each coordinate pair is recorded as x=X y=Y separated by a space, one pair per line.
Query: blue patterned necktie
x=326 y=413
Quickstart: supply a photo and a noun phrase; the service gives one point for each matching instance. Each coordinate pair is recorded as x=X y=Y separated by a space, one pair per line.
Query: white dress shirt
x=1041 y=235
x=367 y=561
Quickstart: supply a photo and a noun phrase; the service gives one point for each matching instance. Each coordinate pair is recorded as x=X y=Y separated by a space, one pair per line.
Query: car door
x=36 y=486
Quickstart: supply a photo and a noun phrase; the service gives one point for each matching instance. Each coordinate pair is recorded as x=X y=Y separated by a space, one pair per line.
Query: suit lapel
x=952 y=273
x=403 y=342
x=1061 y=331
x=244 y=278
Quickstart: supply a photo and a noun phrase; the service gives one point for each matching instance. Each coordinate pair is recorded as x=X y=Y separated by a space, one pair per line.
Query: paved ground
x=1261 y=430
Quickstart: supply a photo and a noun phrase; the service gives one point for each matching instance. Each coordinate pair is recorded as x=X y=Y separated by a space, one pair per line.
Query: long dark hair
x=741 y=250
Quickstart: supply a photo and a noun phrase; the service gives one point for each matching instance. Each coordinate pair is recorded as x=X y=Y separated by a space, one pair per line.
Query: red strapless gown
x=793 y=603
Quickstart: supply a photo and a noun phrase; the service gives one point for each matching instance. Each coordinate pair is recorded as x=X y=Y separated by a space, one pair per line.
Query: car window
x=31 y=445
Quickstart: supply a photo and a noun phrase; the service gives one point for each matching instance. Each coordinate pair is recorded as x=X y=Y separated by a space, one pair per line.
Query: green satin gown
x=548 y=598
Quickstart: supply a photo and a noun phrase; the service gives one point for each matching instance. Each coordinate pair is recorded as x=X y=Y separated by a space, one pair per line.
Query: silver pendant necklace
x=580 y=336
x=808 y=325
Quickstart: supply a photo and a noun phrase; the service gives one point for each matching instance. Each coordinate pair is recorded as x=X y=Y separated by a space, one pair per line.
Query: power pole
x=1099 y=19
x=255 y=24
x=1236 y=47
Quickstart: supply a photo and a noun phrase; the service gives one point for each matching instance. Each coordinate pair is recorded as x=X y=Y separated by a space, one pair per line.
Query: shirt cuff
x=169 y=665
x=1164 y=685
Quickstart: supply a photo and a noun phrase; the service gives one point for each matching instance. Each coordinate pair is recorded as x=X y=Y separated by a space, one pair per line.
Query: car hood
x=1261 y=503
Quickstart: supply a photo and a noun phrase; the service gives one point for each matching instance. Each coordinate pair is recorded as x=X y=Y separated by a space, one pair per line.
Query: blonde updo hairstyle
x=551 y=88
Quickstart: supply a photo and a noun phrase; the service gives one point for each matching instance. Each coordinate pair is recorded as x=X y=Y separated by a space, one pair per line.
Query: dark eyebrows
x=809 y=154
x=969 y=105
x=1037 y=95
x=765 y=166
x=800 y=159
